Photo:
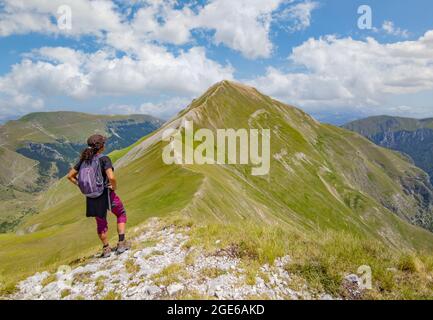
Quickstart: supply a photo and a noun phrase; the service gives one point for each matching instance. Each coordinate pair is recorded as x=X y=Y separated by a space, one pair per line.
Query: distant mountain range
x=5 y=119
x=413 y=137
x=39 y=148
x=321 y=177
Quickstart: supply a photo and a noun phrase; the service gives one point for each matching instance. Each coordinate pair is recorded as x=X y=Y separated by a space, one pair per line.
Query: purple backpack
x=90 y=179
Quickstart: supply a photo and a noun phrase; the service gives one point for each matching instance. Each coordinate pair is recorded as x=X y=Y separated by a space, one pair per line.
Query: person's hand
x=110 y=187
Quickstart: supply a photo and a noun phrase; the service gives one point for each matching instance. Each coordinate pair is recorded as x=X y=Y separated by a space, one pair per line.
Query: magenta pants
x=117 y=209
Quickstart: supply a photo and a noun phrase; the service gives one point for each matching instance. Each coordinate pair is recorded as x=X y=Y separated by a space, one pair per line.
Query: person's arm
x=72 y=176
x=111 y=179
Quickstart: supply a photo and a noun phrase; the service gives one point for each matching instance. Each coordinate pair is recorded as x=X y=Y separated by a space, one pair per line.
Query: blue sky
x=139 y=56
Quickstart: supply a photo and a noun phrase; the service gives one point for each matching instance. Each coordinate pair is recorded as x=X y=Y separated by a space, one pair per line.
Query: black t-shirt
x=105 y=164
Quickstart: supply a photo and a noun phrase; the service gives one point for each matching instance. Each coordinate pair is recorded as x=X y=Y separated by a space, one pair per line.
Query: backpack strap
x=98 y=157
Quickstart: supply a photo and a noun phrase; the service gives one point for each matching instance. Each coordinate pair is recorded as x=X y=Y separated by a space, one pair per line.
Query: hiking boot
x=106 y=252
x=122 y=246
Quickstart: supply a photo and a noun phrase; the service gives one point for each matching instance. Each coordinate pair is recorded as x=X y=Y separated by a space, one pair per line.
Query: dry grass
x=83 y=277
x=100 y=284
x=112 y=295
x=65 y=293
x=170 y=274
x=131 y=266
x=51 y=278
x=212 y=272
x=322 y=259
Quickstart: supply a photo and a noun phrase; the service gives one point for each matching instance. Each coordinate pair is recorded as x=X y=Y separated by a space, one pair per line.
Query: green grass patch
x=51 y=278
x=212 y=272
x=410 y=263
x=112 y=295
x=131 y=266
x=82 y=277
x=191 y=257
x=64 y=293
x=100 y=284
x=170 y=274
x=148 y=243
x=323 y=259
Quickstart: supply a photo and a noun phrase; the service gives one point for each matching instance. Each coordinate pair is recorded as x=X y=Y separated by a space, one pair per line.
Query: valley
x=332 y=201
x=413 y=137
x=39 y=149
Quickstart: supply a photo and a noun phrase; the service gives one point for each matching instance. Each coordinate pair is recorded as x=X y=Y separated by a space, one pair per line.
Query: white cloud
x=175 y=28
x=11 y=105
x=390 y=28
x=298 y=16
x=27 y=86
x=88 y=17
x=134 y=60
x=164 y=109
x=52 y=72
x=241 y=25
x=155 y=72
x=43 y=79
x=145 y=68
x=342 y=73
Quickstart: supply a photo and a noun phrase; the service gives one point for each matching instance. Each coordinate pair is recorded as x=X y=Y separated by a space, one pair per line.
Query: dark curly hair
x=95 y=143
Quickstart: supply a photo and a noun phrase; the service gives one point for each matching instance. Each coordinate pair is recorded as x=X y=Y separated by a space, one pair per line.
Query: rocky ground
x=161 y=266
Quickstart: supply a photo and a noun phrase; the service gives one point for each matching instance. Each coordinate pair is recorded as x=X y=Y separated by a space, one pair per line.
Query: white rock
x=353 y=278
x=140 y=285
x=131 y=292
x=152 y=290
x=174 y=288
x=102 y=273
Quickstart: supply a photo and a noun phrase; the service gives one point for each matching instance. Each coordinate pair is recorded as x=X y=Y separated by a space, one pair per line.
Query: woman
x=108 y=200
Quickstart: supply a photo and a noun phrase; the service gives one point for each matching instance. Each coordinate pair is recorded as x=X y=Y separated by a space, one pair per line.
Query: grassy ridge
x=322 y=259
x=64 y=233
x=46 y=127
x=38 y=149
x=373 y=125
x=411 y=137
x=327 y=188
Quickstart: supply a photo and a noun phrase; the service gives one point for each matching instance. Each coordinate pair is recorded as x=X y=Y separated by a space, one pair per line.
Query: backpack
x=90 y=179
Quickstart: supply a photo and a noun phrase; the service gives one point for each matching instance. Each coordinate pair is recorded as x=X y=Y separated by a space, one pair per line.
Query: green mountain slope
x=377 y=124
x=39 y=148
x=322 y=179
x=54 y=139
x=413 y=137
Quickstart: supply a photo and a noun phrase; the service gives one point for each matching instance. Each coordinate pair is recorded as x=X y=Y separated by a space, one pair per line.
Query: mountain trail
x=161 y=265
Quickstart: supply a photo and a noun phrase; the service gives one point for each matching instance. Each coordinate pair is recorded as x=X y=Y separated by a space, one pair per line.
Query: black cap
x=96 y=140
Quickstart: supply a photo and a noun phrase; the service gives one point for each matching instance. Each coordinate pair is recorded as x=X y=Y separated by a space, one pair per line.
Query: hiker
x=94 y=175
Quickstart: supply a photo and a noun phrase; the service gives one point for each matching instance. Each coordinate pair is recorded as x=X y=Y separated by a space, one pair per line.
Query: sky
x=336 y=59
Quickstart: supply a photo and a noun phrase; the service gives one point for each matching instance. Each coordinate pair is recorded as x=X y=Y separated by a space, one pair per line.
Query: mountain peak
x=235 y=85
x=324 y=183
x=224 y=91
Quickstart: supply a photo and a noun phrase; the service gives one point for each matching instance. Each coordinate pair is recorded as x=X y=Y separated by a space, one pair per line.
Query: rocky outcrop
x=161 y=266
